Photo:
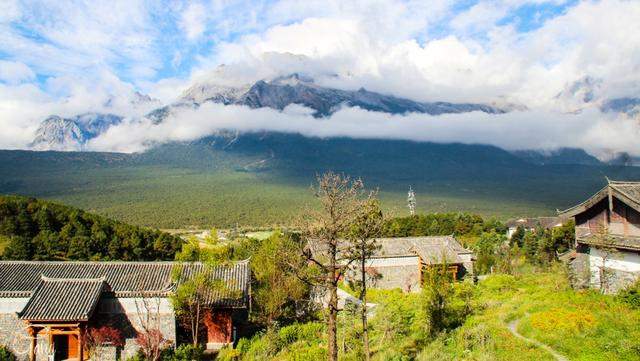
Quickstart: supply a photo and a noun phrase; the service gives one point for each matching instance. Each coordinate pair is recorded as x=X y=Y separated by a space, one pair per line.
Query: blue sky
x=148 y=41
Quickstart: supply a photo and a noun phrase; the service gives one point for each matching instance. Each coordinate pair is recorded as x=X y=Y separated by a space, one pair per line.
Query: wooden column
x=32 y=345
x=80 y=345
x=610 y=213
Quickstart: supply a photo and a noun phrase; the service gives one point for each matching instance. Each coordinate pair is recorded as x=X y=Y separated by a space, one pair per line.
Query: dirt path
x=513 y=327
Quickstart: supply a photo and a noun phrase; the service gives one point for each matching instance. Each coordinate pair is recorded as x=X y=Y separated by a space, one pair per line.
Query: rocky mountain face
x=56 y=133
x=298 y=89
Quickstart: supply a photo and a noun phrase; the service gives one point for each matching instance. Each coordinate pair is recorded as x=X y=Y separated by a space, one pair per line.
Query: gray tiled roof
x=61 y=299
x=627 y=192
x=629 y=189
x=126 y=279
x=430 y=249
x=619 y=242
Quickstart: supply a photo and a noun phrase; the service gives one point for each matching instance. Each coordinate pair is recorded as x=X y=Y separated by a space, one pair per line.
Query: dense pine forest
x=32 y=229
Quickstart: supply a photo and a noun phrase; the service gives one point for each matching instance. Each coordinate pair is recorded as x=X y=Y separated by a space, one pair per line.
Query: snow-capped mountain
x=280 y=92
x=588 y=92
x=57 y=133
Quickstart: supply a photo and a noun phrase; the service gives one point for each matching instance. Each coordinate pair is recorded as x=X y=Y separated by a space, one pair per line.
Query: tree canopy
x=33 y=229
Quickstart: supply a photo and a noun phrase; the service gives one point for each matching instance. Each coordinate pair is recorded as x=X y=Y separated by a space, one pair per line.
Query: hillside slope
x=263 y=179
x=32 y=229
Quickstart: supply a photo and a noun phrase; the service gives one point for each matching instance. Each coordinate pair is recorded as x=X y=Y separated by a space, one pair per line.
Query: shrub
x=6 y=354
x=631 y=295
x=152 y=344
x=96 y=337
x=139 y=356
x=187 y=352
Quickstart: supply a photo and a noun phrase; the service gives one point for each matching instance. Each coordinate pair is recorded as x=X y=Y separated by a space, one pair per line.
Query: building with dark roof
x=46 y=307
x=607 y=237
x=531 y=224
x=401 y=262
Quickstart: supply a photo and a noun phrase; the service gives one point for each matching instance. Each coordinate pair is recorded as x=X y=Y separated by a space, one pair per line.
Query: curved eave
x=599 y=196
x=577 y=209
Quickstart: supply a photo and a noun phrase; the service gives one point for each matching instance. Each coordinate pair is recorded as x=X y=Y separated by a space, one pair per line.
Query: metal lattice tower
x=411 y=201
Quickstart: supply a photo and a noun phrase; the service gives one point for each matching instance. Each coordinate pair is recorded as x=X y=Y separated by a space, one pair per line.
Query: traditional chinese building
x=46 y=307
x=401 y=262
x=607 y=251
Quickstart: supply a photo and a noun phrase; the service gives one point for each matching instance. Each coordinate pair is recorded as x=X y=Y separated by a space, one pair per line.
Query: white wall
x=132 y=305
x=622 y=260
x=12 y=305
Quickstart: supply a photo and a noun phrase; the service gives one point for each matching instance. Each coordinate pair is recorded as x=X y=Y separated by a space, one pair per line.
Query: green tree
x=279 y=293
x=190 y=298
x=445 y=304
x=518 y=236
x=189 y=301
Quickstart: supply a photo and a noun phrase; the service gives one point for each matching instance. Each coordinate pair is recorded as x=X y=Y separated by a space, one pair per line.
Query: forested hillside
x=32 y=229
x=262 y=179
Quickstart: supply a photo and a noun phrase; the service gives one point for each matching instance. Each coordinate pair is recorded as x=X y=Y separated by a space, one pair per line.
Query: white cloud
x=193 y=20
x=592 y=38
x=590 y=130
x=14 y=72
x=66 y=38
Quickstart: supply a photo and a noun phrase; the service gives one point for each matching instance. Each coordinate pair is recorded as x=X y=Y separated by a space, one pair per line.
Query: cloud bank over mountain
x=513 y=131
x=561 y=60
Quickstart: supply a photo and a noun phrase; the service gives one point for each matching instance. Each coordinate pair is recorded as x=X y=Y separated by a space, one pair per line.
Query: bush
x=6 y=354
x=188 y=353
x=631 y=295
x=139 y=356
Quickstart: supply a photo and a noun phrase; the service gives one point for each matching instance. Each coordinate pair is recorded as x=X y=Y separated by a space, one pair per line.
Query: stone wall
x=579 y=271
x=13 y=334
x=106 y=353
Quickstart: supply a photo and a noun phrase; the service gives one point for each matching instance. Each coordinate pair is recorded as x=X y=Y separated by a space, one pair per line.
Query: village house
x=46 y=307
x=531 y=224
x=401 y=262
x=607 y=253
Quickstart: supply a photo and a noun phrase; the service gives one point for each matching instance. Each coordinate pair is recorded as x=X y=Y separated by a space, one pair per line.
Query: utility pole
x=411 y=201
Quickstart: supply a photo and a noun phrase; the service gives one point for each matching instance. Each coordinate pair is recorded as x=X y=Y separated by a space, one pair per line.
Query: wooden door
x=73 y=347
x=66 y=347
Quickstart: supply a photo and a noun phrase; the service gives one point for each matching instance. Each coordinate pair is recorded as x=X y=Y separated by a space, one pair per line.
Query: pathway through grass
x=513 y=327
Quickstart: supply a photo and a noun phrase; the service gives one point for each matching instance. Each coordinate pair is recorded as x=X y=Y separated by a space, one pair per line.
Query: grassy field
x=168 y=197
x=581 y=325
x=550 y=316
